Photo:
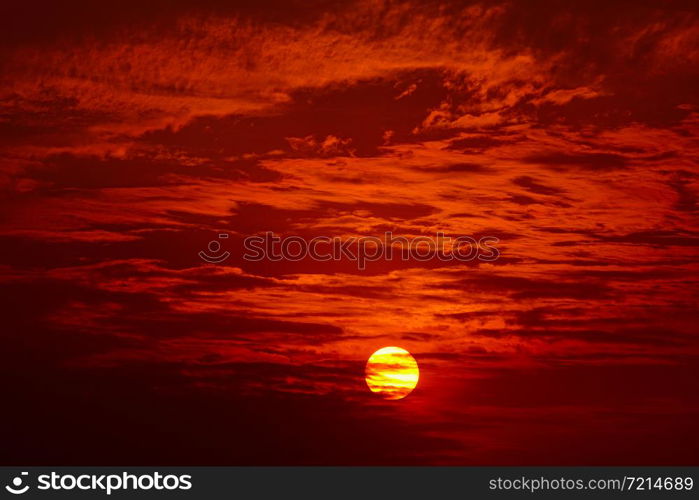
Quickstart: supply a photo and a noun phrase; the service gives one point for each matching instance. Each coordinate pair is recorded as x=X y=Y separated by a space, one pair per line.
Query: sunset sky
x=133 y=133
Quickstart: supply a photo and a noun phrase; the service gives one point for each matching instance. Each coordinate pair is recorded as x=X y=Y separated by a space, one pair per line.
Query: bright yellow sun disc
x=392 y=373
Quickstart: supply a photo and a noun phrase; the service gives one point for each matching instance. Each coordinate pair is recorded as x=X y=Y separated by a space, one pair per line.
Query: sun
x=392 y=372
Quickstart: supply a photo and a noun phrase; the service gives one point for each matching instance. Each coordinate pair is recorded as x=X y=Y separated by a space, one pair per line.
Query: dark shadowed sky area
x=133 y=133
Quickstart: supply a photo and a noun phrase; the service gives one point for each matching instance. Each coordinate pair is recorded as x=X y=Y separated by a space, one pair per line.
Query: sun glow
x=392 y=373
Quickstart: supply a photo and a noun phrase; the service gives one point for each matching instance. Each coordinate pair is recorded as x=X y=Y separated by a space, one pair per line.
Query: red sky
x=131 y=135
